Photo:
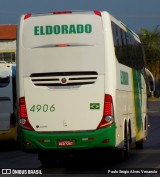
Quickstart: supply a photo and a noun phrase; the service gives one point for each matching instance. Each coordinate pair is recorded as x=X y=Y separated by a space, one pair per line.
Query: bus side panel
x=139 y=102
x=124 y=111
x=131 y=103
x=110 y=68
x=144 y=108
x=8 y=126
x=5 y=96
x=5 y=113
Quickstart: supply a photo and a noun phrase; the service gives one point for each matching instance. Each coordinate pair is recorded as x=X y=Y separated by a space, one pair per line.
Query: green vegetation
x=151 y=44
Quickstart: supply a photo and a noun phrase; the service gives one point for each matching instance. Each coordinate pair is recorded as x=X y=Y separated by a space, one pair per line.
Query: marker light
x=27 y=16
x=97 y=12
x=106 y=141
x=62 y=12
x=27 y=143
x=62 y=45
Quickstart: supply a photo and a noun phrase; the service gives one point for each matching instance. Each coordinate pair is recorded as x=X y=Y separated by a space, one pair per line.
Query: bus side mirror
x=150 y=83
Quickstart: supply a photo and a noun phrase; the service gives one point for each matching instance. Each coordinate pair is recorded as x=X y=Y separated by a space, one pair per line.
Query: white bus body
x=74 y=90
x=8 y=126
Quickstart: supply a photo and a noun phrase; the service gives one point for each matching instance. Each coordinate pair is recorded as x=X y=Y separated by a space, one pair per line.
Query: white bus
x=8 y=121
x=81 y=84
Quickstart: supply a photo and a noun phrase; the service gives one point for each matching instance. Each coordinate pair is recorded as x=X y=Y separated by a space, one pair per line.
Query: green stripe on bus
x=80 y=138
x=137 y=86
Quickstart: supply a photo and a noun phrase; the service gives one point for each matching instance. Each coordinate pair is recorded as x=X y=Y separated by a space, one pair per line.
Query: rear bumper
x=34 y=141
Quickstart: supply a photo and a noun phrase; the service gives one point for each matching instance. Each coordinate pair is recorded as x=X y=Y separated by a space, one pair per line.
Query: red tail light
x=23 y=117
x=22 y=108
x=27 y=16
x=108 y=113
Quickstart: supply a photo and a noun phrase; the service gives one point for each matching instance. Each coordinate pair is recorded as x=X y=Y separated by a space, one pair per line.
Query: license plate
x=66 y=143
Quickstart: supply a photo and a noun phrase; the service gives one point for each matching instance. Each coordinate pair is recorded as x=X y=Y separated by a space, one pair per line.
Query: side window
x=140 y=59
x=118 y=43
x=127 y=49
x=4 y=80
x=7 y=56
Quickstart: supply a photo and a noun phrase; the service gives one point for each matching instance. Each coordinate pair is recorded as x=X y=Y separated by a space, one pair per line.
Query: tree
x=151 y=43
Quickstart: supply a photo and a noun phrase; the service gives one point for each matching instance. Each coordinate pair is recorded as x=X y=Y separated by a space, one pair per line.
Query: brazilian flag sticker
x=94 y=106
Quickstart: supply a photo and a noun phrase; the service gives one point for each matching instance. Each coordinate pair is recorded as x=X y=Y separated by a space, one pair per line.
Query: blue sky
x=136 y=14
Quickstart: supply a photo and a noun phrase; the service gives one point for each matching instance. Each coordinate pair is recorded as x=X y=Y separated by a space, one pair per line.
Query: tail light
x=23 y=117
x=108 y=113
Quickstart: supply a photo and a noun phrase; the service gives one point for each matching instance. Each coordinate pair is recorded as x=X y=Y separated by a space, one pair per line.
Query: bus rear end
x=61 y=82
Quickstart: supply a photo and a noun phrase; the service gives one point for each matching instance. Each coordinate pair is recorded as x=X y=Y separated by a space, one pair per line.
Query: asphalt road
x=147 y=158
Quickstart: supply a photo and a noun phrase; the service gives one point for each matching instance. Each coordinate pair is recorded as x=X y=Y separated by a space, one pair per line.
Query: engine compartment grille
x=64 y=78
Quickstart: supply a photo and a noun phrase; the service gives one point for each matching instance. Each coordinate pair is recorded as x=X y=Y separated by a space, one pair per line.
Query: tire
x=126 y=143
x=124 y=153
x=140 y=144
x=47 y=159
x=119 y=155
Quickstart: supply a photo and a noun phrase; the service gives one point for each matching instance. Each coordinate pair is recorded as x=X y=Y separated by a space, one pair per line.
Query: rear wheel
x=126 y=143
x=140 y=144
x=47 y=159
x=124 y=153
